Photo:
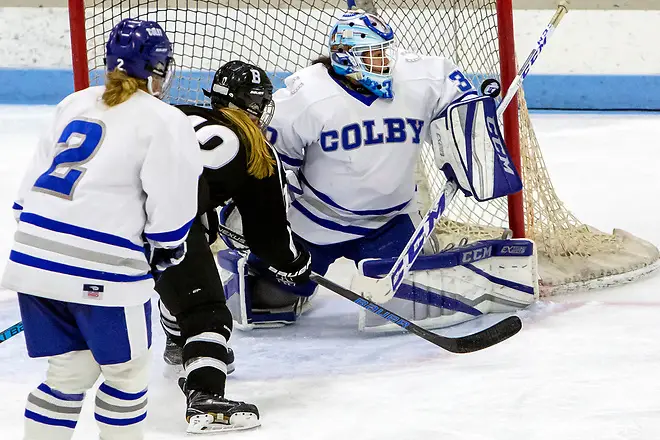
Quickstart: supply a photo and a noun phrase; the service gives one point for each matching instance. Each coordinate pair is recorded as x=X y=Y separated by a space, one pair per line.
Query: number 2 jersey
x=355 y=154
x=102 y=181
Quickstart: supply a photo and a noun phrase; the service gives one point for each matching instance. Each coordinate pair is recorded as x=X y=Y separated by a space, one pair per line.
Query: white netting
x=282 y=36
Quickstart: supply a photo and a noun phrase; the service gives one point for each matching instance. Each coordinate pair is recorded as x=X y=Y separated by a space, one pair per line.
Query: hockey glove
x=292 y=274
x=161 y=258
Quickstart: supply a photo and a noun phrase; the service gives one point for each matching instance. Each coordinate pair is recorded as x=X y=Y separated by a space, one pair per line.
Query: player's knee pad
x=459 y=284
x=128 y=377
x=72 y=373
x=255 y=301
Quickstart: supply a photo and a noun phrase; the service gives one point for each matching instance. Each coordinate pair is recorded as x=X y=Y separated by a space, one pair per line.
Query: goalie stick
x=492 y=335
x=383 y=289
x=11 y=331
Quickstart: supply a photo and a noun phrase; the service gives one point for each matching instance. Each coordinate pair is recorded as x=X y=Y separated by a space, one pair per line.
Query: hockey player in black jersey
x=239 y=165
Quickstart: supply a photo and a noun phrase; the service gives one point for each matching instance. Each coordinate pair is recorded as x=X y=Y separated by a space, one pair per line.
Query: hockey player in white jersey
x=349 y=129
x=108 y=199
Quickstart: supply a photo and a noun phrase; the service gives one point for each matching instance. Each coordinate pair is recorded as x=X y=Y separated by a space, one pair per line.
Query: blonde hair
x=119 y=87
x=261 y=163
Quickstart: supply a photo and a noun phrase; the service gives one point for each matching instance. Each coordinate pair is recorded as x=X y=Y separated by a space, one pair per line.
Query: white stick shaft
x=562 y=9
x=424 y=230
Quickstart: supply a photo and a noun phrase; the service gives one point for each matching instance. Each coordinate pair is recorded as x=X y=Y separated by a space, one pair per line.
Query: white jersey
x=103 y=180
x=356 y=155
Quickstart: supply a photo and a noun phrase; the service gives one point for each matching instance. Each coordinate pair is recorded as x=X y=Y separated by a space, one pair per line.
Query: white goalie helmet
x=362 y=47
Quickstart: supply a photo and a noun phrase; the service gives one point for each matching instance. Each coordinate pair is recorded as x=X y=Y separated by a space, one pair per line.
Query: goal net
x=282 y=36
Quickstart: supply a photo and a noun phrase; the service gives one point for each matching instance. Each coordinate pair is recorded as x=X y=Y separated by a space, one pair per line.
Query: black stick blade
x=485 y=338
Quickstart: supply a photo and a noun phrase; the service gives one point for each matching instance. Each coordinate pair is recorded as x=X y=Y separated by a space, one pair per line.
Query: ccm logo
x=476 y=254
x=155 y=32
x=491 y=124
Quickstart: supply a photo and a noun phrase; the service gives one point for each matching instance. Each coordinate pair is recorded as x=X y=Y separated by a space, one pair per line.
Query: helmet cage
x=166 y=71
x=380 y=64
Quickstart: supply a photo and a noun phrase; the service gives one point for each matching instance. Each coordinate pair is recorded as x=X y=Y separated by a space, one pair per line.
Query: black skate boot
x=207 y=412
x=173 y=355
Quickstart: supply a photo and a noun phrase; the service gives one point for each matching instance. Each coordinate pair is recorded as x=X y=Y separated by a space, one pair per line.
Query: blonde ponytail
x=261 y=163
x=119 y=87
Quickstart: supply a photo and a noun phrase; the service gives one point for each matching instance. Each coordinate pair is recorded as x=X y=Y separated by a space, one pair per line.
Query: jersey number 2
x=80 y=140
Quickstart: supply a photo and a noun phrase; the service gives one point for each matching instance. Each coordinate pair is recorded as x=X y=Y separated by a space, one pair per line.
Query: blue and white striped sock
x=51 y=414
x=120 y=414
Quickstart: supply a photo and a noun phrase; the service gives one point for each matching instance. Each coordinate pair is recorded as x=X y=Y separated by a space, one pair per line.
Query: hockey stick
x=562 y=9
x=464 y=344
x=11 y=331
x=383 y=289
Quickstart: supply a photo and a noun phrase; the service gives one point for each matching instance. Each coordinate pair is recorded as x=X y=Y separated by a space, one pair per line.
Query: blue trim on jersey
x=114 y=392
x=51 y=266
x=17 y=207
x=501 y=281
x=119 y=422
x=49 y=421
x=90 y=234
x=171 y=236
x=328 y=224
x=60 y=395
x=364 y=99
x=326 y=198
x=444 y=110
x=290 y=160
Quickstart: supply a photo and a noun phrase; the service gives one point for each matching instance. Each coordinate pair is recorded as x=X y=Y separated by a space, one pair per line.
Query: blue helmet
x=362 y=48
x=142 y=50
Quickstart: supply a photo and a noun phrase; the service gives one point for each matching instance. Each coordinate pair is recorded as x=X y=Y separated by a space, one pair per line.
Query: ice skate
x=208 y=413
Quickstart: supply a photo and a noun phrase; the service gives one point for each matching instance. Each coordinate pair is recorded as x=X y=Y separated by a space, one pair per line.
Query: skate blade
x=205 y=423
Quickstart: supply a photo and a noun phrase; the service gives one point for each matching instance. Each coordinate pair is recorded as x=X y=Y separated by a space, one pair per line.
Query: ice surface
x=584 y=367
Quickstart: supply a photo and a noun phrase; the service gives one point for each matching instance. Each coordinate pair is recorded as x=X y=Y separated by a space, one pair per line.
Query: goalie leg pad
x=461 y=284
x=257 y=302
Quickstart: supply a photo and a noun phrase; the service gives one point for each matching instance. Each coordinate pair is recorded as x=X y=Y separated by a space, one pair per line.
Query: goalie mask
x=240 y=85
x=362 y=48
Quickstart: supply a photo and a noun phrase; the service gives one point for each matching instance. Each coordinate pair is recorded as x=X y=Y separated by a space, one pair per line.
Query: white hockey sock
x=50 y=414
x=120 y=415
